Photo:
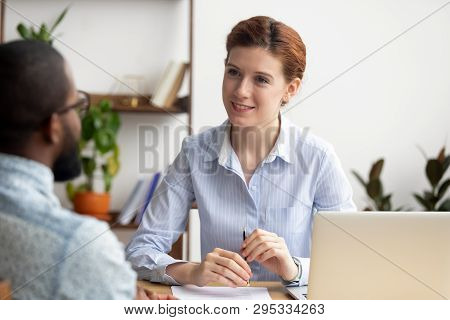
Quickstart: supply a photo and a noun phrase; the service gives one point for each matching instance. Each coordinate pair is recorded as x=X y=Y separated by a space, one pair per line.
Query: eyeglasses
x=81 y=106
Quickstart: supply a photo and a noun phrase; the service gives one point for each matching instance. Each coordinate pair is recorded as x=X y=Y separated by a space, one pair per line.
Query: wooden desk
x=276 y=289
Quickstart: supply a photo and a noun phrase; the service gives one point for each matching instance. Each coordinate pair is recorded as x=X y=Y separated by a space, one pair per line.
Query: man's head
x=36 y=87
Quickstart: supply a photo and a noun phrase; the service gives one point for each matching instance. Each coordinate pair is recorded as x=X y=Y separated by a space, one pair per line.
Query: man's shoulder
x=96 y=257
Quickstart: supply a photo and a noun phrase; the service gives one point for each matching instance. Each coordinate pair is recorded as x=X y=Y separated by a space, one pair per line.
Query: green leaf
x=374 y=189
x=23 y=31
x=81 y=144
x=385 y=203
x=434 y=171
x=87 y=127
x=386 y=199
x=59 y=19
x=430 y=198
x=443 y=188
x=82 y=188
x=105 y=106
x=375 y=172
x=116 y=151
x=104 y=140
x=70 y=190
x=113 y=121
x=88 y=166
x=446 y=163
x=359 y=178
x=107 y=179
x=445 y=206
x=423 y=202
x=98 y=122
x=43 y=33
x=112 y=166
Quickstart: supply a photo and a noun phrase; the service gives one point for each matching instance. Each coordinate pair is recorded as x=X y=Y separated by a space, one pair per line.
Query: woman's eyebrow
x=232 y=65
x=264 y=74
x=257 y=72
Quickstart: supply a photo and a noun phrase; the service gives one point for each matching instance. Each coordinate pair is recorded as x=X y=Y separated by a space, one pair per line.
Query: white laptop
x=380 y=255
x=299 y=293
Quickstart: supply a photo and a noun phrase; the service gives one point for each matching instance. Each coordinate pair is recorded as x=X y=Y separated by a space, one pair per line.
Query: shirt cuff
x=303 y=273
x=294 y=282
x=158 y=274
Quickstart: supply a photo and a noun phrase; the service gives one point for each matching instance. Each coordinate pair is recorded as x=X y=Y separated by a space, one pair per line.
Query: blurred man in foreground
x=48 y=252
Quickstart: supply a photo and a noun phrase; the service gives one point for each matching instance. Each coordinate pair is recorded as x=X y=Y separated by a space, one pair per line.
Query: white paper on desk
x=191 y=292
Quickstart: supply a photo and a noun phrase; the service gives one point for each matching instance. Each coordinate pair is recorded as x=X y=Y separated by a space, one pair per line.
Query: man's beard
x=68 y=165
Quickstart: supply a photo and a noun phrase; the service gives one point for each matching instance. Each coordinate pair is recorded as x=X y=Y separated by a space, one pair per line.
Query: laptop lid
x=380 y=255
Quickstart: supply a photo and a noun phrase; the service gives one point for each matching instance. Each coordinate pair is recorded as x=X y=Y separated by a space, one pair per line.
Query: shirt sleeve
x=333 y=191
x=94 y=266
x=163 y=223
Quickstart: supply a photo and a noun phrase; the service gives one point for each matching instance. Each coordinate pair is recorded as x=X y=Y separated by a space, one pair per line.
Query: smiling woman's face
x=253 y=87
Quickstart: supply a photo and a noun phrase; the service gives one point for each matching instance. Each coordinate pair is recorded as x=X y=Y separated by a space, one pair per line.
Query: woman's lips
x=240 y=107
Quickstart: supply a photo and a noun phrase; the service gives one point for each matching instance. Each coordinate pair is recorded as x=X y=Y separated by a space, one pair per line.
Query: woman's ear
x=293 y=87
x=291 y=90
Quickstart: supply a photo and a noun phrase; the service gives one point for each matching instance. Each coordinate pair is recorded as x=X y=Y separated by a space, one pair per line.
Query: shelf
x=123 y=103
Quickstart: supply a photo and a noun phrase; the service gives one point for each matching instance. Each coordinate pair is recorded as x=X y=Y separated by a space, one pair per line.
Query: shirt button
x=253 y=187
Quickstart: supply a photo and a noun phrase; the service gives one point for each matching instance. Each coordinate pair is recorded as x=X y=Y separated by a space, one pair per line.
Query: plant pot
x=5 y=290
x=93 y=204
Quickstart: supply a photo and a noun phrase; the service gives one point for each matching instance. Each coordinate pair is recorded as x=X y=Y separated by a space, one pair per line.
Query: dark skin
x=46 y=144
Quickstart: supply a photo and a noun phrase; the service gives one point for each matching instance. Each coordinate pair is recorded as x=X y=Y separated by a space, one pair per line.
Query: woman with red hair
x=257 y=178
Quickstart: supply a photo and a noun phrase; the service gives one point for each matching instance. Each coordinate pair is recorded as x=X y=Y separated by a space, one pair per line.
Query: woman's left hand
x=271 y=251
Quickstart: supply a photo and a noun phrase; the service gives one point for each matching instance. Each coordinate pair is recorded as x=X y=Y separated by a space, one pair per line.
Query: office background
x=376 y=85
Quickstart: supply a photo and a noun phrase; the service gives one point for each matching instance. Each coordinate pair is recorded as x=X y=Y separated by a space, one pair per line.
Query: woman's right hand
x=222 y=266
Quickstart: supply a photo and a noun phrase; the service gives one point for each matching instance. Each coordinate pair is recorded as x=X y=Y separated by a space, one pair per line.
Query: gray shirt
x=48 y=252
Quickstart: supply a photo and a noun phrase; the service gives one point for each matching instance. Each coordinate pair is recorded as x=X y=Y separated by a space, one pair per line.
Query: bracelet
x=296 y=279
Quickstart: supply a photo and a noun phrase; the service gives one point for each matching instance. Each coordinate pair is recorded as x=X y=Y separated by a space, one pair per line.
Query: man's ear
x=52 y=129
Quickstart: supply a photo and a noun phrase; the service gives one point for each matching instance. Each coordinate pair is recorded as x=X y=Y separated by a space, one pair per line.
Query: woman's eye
x=261 y=80
x=233 y=72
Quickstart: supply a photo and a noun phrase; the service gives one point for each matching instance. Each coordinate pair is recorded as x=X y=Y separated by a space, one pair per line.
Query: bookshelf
x=122 y=103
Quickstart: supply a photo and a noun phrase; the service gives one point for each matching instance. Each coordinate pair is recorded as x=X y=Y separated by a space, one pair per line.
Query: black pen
x=245 y=258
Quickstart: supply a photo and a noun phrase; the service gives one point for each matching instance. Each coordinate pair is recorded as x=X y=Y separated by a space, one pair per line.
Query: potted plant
x=374 y=189
x=433 y=200
x=99 y=154
x=44 y=34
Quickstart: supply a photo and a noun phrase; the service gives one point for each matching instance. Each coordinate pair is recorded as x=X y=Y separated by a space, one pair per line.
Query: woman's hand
x=271 y=251
x=221 y=266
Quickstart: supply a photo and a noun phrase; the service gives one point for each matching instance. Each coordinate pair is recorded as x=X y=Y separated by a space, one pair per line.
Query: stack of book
x=138 y=200
x=169 y=84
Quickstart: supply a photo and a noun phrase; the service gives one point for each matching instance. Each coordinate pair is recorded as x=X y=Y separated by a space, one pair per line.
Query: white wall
x=385 y=106
x=396 y=99
x=105 y=40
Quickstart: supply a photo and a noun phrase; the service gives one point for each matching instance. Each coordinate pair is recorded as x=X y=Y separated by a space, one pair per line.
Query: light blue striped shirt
x=300 y=176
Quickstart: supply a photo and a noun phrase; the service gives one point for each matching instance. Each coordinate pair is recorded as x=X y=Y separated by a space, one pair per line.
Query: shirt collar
x=283 y=148
x=23 y=171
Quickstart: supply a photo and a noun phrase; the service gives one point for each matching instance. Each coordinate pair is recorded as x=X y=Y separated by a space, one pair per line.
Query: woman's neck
x=253 y=144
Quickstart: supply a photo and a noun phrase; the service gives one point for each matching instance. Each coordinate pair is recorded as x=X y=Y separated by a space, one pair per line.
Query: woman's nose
x=243 y=89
